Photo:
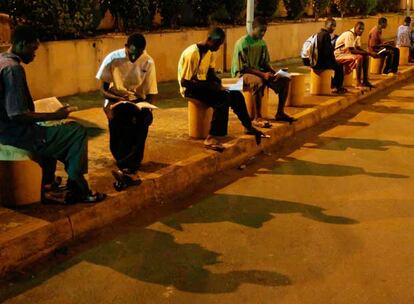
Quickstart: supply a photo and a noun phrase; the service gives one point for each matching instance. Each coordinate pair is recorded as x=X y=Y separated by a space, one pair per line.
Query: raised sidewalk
x=173 y=166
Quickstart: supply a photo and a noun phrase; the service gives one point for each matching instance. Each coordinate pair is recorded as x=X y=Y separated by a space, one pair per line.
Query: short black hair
x=216 y=33
x=382 y=20
x=329 y=20
x=259 y=21
x=137 y=40
x=24 y=33
x=407 y=20
x=359 y=23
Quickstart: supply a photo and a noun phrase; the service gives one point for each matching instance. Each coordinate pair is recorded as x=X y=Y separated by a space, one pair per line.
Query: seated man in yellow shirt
x=197 y=79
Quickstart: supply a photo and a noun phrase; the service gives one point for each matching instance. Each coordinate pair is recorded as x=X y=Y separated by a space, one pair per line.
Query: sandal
x=258 y=134
x=215 y=147
x=92 y=197
x=56 y=185
x=341 y=91
x=286 y=118
x=265 y=124
x=212 y=143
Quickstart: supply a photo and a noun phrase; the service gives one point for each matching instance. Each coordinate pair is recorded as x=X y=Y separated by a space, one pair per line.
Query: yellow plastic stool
x=404 y=55
x=20 y=177
x=349 y=79
x=199 y=119
x=250 y=103
x=321 y=82
x=376 y=65
x=296 y=90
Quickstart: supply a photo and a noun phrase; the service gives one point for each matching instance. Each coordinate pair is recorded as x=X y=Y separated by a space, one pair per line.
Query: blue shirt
x=15 y=99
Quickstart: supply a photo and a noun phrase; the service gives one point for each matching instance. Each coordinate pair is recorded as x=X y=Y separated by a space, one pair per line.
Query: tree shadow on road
x=342 y=144
x=293 y=166
x=154 y=257
x=248 y=211
x=388 y=109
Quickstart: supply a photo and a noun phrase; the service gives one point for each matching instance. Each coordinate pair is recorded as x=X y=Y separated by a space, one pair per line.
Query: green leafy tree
x=356 y=7
x=340 y=6
x=56 y=19
x=266 y=8
x=204 y=9
x=295 y=8
x=170 y=11
x=129 y=14
x=319 y=7
x=235 y=9
x=386 y=6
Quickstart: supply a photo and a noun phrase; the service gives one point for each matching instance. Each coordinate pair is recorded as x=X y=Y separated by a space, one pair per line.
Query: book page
x=47 y=105
x=140 y=105
x=145 y=105
x=233 y=85
x=282 y=73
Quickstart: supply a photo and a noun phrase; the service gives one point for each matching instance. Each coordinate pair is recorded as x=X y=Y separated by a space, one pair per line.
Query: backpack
x=310 y=50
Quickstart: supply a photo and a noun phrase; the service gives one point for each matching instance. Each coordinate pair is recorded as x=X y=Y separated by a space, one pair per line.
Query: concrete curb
x=169 y=183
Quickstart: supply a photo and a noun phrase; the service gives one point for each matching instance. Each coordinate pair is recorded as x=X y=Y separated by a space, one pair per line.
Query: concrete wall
x=404 y=4
x=285 y=40
x=4 y=28
x=69 y=67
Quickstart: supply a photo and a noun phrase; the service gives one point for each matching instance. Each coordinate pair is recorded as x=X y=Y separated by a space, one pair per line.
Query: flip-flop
x=215 y=147
x=286 y=118
x=262 y=124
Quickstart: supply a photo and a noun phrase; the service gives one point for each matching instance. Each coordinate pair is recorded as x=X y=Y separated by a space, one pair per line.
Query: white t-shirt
x=403 y=36
x=124 y=76
x=347 y=40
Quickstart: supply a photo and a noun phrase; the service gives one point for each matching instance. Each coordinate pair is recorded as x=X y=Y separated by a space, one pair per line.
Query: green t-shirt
x=249 y=53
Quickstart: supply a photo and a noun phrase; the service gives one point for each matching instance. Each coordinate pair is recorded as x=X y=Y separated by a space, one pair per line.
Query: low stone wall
x=4 y=28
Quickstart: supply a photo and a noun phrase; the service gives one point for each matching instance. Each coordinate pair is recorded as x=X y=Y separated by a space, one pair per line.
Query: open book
x=381 y=51
x=50 y=105
x=233 y=84
x=140 y=105
x=282 y=73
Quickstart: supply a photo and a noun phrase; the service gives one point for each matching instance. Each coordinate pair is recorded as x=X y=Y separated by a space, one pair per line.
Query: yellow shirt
x=192 y=66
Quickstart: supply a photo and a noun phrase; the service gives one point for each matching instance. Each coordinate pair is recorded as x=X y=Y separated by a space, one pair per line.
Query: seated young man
x=326 y=57
x=19 y=126
x=251 y=61
x=349 y=52
x=197 y=79
x=404 y=36
x=128 y=74
x=388 y=51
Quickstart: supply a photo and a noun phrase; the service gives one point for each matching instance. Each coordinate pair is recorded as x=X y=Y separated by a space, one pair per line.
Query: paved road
x=328 y=218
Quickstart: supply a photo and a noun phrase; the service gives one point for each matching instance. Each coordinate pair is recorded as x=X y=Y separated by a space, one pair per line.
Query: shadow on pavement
x=248 y=211
x=342 y=144
x=293 y=166
x=388 y=110
x=152 y=256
